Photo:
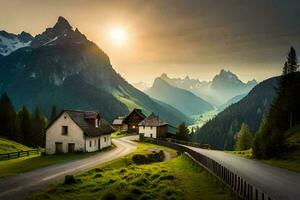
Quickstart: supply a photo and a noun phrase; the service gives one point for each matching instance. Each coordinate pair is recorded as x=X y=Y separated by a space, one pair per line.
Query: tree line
x=23 y=126
x=284 y=113
x=270 y=140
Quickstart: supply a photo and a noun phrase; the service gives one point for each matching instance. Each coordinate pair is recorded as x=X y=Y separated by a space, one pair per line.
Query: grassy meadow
x=8 y=146
x=177 y=178
x=25 y=164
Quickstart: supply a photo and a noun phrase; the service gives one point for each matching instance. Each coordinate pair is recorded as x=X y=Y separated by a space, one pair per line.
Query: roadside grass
x=289 y=162
x=118 y=135
x=177 y=178
x=245 y=154
x=293 y=165
x=8 y=146
x=25 y=164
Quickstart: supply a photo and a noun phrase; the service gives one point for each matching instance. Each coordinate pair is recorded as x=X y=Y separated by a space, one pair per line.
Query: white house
x=153 y=127
x=77 y=131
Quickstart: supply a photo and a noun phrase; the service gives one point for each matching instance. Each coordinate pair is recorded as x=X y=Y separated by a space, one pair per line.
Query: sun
x=118 y=36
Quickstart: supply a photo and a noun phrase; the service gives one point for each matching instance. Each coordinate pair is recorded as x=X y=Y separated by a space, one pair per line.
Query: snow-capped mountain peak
x=10 y=42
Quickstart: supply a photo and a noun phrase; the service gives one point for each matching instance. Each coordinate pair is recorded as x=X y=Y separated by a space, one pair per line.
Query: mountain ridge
x=62 y=67
x=222 y=88
x=183 y=100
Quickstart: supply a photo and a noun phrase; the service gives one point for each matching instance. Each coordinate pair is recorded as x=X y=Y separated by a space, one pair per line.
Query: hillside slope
x=219 y=132
x=8 y=146
x=181 y=99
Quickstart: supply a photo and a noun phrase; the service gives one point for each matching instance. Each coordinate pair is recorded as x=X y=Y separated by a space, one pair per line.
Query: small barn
x=130 y=122
x=133 y=119
x=77 y=131
x=153 y=127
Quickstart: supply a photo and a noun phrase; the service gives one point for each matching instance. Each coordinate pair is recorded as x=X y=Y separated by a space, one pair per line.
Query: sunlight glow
x=118 y=36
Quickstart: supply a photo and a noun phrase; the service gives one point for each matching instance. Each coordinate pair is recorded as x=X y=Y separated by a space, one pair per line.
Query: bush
x=150 y=158
x=69 y=179
x=109 y=196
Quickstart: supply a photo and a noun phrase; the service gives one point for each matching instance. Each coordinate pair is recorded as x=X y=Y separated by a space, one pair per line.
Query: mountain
x=62 y=67
x=226 y=85
x=183 y=100
x=220 y=131
x=222 y=88
x=141 y=86
x=10 y=42
x=231 y=101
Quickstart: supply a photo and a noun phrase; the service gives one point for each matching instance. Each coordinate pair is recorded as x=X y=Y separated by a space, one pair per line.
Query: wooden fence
x=19 y=154
x=237 y=184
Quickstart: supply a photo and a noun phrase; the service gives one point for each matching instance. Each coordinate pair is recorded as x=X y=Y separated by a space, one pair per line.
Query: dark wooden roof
x=152 y=120
x=81 y=118
x=137 y=111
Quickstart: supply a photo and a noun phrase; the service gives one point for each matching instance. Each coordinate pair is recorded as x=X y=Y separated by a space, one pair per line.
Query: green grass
x=25 y=164
x=286 y=164
x=118 y=135
x=8 y=146
x=245 y=154
x=177 y=178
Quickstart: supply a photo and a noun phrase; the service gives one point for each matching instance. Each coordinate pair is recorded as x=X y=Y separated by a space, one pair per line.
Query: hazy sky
x=178 y=37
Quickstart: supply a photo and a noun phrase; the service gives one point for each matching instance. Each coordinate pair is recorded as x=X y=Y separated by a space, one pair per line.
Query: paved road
x=279 y=183
x=17 y=187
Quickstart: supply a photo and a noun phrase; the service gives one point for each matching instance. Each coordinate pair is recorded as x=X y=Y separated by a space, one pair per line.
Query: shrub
x=109 y=196
x=69 y=179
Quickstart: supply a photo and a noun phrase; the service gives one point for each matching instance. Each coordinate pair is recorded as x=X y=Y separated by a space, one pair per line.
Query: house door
x=99 y=144
x=58 y=147
x=71 y=147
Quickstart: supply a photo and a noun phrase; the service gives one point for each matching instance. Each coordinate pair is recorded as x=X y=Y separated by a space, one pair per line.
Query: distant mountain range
x=220 y=131
x=141 y=86
x=221 y=89
x=62 y=67
x=185 y=101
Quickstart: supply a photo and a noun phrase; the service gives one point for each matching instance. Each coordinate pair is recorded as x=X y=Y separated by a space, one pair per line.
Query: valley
x=149 y=100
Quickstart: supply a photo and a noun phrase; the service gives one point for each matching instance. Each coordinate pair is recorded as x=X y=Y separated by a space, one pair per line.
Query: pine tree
x=25 y=125
x=54 y=113
x=8 y=119
x=244 y=138
x=182 y=132
x=283 y=114
x=292 y=61
x=38 y=124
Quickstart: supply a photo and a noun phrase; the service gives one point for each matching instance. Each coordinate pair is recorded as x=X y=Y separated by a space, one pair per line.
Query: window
x=90 y=143
x=95 y=142
x=151 y=135
x=104 y=139
x=64 y=130
x=96 y=123
x=143 y=127
x=151 y=127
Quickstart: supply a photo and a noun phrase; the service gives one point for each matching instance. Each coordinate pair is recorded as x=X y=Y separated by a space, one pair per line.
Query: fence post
x=256 y=194
x=245 y=189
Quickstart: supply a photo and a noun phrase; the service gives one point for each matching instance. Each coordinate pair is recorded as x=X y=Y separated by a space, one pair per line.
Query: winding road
x=19 y=186
x=279 y=183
